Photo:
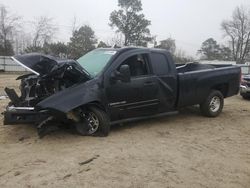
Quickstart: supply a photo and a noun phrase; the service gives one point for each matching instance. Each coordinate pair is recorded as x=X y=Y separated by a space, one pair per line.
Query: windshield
x=94 y=61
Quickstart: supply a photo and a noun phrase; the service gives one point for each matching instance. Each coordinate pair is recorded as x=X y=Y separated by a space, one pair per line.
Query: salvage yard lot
x=185 y=150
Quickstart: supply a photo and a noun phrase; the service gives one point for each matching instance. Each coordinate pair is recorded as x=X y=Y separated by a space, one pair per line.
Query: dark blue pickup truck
x=110 y=86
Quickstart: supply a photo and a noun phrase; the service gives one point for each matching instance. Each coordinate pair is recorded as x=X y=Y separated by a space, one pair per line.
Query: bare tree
x=21 y=41
x=8 y=24
x=44 y=31
x=74 y=24
x=238 y=30
x=116 y=40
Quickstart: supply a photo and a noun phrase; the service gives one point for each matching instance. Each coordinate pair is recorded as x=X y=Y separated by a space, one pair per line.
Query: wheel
x=94 y=122
x=244 y=96
x=213 y=104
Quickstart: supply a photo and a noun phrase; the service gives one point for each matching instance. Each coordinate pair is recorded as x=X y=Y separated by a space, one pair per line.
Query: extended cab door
x=165 y=71
x=138 y=97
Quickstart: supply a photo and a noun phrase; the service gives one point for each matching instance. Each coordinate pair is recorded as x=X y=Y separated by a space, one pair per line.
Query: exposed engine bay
x=40 y=84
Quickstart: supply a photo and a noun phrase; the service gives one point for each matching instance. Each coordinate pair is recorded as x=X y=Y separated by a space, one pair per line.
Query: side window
x=159 y=64
x=138 y=65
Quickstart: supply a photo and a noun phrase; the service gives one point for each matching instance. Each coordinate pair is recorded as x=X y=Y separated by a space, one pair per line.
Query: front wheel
x=213 y=104
x=94 y=122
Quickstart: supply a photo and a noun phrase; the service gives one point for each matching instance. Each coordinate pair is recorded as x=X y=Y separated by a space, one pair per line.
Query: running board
x=143 y=117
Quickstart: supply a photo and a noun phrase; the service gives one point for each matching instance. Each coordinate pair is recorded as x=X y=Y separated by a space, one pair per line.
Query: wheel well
x=96 y=104
x=223 y=88
x=91 y=104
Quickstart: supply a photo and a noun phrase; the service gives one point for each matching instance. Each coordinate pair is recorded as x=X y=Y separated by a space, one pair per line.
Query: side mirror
x=122 y=74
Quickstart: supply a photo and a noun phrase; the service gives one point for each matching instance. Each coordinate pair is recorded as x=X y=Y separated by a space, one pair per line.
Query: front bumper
x=28 y=115
x=244 y=89
x=22 y=115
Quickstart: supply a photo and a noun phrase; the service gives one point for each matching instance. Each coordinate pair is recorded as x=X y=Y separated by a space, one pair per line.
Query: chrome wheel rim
x=215 y=104
x=93 y=122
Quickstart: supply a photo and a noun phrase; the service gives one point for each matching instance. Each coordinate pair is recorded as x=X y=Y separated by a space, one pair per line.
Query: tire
x=92 y=116
x=245 y=96
x=213 y=104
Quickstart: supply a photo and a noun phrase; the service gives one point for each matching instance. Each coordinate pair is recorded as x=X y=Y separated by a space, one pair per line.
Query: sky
x=189 y=22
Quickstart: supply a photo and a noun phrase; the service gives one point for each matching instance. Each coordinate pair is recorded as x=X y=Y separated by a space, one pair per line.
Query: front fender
x=71 y=98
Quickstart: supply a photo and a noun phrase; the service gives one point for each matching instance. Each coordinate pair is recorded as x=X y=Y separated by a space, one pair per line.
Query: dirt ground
x=184 y=150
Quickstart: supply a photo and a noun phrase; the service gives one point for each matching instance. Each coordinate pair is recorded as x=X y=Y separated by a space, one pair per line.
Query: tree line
x=131 y=28
x=237 y=32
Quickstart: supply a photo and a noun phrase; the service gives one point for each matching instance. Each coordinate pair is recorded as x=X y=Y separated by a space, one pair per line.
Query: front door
x=139 y=97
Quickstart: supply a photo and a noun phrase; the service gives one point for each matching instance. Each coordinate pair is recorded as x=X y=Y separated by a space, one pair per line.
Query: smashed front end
x=49 y=77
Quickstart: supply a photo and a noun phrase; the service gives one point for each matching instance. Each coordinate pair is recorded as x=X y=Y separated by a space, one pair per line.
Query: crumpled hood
x=37 y=63
x=41 y=64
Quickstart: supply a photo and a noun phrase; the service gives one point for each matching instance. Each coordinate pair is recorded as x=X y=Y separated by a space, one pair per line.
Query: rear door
x=164 y=69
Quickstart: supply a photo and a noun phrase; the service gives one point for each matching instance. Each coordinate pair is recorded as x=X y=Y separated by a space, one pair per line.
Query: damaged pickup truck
x=110 y=86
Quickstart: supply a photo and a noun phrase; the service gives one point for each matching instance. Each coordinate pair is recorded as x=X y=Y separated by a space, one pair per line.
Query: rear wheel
x=94 y=122
x=213 y=104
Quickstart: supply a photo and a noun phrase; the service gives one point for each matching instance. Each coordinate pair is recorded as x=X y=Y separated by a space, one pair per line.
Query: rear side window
x=159 y=63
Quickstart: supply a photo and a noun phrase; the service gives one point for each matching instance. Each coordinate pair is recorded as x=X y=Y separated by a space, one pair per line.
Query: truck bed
x=197 y=80
x=189 y=67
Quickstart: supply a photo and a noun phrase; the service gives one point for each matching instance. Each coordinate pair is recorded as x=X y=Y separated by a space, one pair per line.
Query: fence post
x=4 y=63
